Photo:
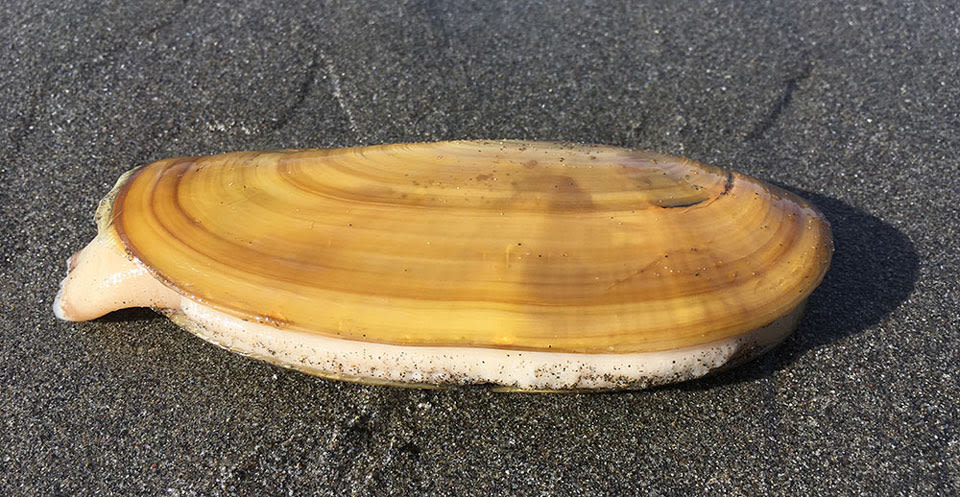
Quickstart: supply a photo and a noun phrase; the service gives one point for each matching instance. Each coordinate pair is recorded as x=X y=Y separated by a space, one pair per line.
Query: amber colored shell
x=514 y=245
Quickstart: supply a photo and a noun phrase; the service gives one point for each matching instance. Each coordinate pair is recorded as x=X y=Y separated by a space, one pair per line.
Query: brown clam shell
x=579 y=252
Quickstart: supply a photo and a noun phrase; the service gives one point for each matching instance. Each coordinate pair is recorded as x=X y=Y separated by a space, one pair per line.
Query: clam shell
x=531 y=266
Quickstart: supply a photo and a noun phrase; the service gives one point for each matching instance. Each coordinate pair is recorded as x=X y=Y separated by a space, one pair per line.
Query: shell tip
x=101 y=279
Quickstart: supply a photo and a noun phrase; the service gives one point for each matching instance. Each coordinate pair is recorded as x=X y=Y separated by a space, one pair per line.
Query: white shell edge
x=101 y=279
x=511 y=369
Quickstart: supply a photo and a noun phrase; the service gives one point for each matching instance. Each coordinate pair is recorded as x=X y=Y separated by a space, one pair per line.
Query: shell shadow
x=131 y=314
x=874 y=269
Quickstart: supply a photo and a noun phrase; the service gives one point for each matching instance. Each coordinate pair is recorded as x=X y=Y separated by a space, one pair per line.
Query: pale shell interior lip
x=521 y=370
x=102 y=279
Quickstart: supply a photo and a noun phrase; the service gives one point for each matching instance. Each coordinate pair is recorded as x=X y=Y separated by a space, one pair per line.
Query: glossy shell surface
x=478 y=244
x=489 y=245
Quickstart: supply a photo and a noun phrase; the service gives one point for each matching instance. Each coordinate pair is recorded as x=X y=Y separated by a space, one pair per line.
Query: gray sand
x=852 y=106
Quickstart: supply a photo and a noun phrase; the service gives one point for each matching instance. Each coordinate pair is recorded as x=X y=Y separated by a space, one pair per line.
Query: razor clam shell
x=588 y=252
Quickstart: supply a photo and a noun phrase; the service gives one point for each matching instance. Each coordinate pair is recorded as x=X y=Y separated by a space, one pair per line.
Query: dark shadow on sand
x=873 y=271
x=131 y=314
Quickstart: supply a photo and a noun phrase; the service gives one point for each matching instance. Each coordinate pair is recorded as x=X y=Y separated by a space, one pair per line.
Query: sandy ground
x=851 y=105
